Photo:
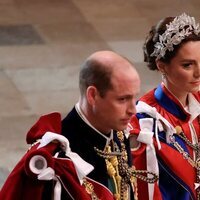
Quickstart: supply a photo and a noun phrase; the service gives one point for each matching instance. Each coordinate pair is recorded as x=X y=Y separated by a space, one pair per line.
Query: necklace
x=196 y=148
x=121 y=173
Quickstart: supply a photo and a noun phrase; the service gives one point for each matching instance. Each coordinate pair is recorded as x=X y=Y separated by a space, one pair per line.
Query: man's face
x=114 y=110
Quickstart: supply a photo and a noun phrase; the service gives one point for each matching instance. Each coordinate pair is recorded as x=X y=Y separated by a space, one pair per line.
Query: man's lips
x=126 y=120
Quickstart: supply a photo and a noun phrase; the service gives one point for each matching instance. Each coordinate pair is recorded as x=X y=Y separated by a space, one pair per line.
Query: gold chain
x=196 y=147
x=90 y=189
x=121 y=174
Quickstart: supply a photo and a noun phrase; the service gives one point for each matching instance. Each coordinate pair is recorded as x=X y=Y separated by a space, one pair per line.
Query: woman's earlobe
x=161 y=66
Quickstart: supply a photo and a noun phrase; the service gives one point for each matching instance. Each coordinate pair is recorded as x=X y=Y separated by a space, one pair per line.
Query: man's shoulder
x=71 y=116
x=46 y=123
x=71 y=124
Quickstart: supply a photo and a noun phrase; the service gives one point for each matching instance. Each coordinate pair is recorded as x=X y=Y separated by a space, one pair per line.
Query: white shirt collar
x=193 y=107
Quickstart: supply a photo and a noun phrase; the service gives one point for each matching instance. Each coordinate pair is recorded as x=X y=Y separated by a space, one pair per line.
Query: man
x=108 y=85
x=93 y=155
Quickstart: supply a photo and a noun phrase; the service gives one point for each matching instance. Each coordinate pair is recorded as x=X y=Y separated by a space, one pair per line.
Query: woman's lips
x=195 y=82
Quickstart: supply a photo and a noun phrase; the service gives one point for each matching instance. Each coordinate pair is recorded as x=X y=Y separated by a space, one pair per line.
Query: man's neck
x=85 y=119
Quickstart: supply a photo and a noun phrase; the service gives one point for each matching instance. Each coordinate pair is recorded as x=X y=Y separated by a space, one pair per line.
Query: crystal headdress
x=181 y=27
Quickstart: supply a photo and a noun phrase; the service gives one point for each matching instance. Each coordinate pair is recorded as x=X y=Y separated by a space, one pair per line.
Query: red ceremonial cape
x=23 y=183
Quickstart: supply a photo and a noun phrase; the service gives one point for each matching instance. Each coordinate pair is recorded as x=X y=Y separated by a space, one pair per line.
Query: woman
x=167 y=123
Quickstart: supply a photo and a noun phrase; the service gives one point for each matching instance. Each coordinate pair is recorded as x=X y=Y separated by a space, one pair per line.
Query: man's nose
x=132 y=107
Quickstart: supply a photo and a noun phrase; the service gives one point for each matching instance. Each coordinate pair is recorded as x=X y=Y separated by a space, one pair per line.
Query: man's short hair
x=95 y=73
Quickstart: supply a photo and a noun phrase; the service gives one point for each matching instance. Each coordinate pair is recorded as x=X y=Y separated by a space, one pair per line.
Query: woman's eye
x=186 y=65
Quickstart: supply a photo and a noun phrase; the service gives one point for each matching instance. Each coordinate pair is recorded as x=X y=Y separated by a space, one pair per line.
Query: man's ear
x=161 y=66
x=91 y=94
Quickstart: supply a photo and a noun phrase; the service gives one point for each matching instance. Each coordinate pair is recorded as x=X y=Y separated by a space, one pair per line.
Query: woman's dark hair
x=153 y=37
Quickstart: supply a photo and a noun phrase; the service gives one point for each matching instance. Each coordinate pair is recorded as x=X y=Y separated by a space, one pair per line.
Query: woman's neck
x=180 y=95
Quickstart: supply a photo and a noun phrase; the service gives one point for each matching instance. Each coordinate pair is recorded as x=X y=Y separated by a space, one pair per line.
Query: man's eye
x=122 y=99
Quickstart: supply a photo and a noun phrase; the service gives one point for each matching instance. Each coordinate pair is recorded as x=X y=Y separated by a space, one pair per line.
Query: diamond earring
x=163 y=77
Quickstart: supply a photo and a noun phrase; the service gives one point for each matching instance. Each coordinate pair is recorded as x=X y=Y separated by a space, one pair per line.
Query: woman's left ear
x=161 y=66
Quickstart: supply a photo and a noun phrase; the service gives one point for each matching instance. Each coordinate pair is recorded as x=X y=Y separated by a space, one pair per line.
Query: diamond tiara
x=176 y=31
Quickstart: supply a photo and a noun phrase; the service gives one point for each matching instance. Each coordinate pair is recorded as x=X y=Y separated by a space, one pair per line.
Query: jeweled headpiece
x=176 y=31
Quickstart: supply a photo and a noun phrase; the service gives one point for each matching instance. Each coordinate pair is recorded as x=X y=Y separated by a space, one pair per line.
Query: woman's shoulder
x=149 y=102
x=149 y=98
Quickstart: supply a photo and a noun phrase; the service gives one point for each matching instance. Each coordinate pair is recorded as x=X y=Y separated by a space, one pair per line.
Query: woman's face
x=183 y=72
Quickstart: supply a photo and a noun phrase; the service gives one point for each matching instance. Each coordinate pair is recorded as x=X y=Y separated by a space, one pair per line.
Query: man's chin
x=121 y=128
